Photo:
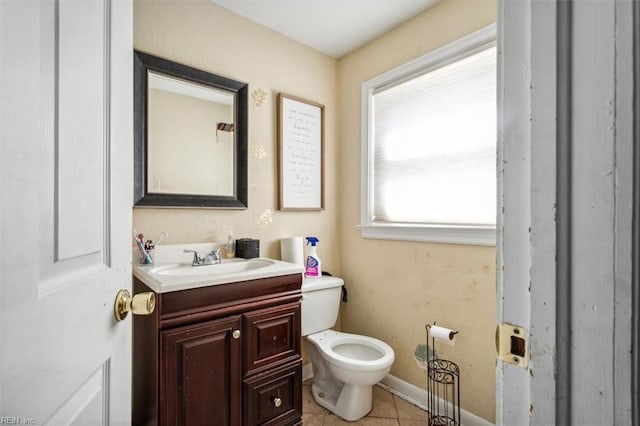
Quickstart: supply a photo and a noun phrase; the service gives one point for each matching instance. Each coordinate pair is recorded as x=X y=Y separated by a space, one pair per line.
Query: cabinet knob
x=236 y=334
x=140 y=304
x=277 y=401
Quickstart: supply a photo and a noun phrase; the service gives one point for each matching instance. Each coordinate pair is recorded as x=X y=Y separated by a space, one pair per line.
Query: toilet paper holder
x=443 y=381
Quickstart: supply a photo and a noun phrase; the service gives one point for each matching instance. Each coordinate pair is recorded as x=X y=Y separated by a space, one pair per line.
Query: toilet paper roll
x=442 y=334
x=292 y=250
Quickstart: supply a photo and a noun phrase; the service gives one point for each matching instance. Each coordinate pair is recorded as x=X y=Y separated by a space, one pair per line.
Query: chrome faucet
x=212 y=258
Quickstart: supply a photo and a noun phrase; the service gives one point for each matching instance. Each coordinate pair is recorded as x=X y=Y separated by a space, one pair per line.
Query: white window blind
x=434 y=145
x=429 y=146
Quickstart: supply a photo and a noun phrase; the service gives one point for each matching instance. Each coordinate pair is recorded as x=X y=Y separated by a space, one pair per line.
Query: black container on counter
x=247 y=248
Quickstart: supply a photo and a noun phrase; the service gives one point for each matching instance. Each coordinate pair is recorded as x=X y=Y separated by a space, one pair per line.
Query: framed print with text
x=300 y=154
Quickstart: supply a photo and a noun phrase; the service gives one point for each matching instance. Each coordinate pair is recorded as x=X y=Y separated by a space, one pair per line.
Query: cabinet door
x=272 y=336
x=201 y=374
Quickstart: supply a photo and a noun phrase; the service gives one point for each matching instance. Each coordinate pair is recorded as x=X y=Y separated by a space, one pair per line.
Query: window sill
x=449 y=234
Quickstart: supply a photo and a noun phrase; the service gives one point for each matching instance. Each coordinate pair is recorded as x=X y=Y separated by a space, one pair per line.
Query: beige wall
x=395 y=288
x=203 y=35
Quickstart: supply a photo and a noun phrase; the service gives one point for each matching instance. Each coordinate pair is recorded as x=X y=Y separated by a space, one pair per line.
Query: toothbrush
x=139 y=240
x=163 y=235
x=148 y=260
x=139 y=243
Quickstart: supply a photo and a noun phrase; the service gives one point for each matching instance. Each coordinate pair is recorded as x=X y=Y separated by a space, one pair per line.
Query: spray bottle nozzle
x=312 y=240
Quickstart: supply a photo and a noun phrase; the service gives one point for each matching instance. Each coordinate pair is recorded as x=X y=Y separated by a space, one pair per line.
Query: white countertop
x=174 y=255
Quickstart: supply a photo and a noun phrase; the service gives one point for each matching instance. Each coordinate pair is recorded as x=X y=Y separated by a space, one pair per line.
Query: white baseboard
x=409 y=393
x=418 y=396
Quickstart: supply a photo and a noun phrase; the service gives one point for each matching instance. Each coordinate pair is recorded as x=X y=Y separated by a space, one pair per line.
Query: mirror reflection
x=191 y=127
x=190 y=136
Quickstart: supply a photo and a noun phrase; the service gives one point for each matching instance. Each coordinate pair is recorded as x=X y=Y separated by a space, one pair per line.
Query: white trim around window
x=449 y=234
x=440 y=233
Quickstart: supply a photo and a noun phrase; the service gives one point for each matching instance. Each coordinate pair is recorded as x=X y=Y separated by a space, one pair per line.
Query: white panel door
x=65 y=212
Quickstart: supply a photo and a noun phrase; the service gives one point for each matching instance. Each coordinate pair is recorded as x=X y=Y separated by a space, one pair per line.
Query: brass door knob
x=140 y=304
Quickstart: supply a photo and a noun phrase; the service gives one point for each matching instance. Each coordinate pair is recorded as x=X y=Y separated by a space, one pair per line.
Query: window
x=429 y=146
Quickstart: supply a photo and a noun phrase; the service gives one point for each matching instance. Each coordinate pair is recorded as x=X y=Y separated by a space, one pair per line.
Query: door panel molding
x=89 y=402
x=81 y=114
x=81 y=243
x=106 y=249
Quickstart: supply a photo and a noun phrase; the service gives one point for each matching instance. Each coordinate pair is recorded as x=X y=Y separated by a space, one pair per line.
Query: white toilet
x=345 y=366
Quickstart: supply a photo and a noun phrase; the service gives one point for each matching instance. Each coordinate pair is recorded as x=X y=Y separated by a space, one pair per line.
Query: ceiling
x=333 y=27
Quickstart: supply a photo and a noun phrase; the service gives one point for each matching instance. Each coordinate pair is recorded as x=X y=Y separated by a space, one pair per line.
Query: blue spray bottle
x=312 y=261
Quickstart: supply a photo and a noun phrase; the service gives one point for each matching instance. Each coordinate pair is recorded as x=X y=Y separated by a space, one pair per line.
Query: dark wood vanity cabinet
x=201 y=373
x=220 y=355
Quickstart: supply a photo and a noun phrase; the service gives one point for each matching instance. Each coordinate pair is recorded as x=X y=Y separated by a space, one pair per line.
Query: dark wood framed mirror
x=190 y=136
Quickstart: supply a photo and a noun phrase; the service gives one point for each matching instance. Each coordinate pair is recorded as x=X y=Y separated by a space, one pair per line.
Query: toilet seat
x=353 y=351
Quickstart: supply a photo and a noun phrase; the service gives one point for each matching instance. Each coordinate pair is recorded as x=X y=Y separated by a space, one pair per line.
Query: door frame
x=635 y=365
x=555 y=107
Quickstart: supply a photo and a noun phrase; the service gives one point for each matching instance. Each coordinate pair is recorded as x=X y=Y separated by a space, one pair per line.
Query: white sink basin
x=173 y=270
x=226 y=267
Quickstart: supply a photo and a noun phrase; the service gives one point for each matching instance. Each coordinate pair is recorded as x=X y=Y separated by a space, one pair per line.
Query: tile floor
x=388 y=410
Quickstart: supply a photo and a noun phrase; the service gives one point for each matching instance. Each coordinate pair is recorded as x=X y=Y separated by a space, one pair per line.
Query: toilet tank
x=320 y=303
